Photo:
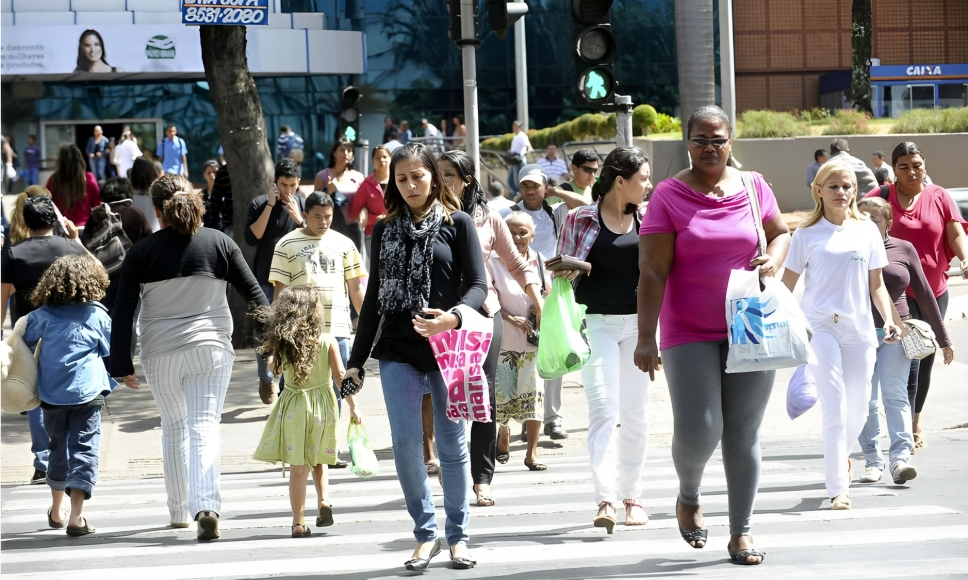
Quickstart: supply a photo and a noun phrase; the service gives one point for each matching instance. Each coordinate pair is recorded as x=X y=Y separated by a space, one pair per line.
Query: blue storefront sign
x=900 y=88
x=228 y=12
x=929 y=72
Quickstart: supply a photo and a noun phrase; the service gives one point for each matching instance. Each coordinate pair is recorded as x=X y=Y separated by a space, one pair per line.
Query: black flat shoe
x=535 y=466
x=420 y=564
x=503 y=457
x=692 y=537
x=743 y=556
x=461 y=563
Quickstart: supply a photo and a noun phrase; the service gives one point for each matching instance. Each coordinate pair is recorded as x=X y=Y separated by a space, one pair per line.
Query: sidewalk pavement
x=131 y=429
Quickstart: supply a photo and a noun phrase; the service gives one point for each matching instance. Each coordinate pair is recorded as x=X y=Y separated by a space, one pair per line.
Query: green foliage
x=770 y=124
x=931 y=121
x=667 y=124
x=643 y=119
x=813 y=116
x=588 y=126
x=848 y=122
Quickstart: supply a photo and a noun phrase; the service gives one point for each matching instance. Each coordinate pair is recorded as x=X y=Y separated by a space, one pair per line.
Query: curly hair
x=71 y=279
x=181 y=208
x=291 y=331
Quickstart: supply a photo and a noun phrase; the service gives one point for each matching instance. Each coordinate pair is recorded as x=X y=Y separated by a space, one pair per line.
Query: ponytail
x=622 y=162
x=181 y=208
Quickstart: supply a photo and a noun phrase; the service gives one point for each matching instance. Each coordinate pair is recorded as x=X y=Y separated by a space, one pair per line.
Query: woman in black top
x=180 y=274
x=606 y=235
x=426 y=260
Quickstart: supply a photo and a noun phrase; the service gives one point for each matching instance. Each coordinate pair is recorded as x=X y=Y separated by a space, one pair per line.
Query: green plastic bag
x=364 y=461
x=563 y=347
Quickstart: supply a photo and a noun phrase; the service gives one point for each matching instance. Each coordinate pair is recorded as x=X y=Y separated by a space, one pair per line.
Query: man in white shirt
x=498 y=202
x=125 y=153
x=553 y=167
x=878 y=160
x=520 y=146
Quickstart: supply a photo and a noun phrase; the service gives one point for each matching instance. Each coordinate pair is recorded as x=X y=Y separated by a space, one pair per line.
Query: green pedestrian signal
x=595 y=85
x=350 y=133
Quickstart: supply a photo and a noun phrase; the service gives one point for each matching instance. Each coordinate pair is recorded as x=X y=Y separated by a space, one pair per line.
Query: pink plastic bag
x=460 y=354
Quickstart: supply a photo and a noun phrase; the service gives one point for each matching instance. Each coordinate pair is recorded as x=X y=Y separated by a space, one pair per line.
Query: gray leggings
x=709 y=405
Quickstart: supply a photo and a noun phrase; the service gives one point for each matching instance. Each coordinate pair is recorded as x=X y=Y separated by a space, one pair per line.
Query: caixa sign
x=928 y=70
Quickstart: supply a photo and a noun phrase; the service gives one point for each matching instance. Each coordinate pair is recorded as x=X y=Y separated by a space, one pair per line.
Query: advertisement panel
x=36 y=50
x=227 y=12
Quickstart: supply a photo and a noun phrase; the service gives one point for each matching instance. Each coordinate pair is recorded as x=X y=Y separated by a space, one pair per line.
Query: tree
x=861 y=39
x=242 y=128
x=695 y=56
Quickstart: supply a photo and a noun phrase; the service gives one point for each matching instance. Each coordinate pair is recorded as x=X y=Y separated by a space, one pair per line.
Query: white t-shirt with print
x=837 y=261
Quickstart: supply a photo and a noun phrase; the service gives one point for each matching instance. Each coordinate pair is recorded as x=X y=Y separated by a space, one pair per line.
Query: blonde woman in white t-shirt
x=842 y=255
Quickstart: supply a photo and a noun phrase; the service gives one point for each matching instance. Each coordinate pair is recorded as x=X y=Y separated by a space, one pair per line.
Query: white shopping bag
x=766 y=328
x=460 y=354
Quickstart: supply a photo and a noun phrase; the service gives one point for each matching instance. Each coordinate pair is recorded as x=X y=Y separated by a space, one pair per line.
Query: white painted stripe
x=485 y=515
x=505 y=554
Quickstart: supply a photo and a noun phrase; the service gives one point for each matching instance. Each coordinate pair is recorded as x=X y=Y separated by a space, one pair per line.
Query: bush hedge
x=848 y=122
x=588 y=126
x=931 y=121
x=768 y=124
x=643 y=119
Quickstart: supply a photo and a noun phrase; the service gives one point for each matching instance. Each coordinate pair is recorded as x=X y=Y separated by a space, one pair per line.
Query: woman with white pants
x=606 y=235
x=180 y=274
x=843 y=255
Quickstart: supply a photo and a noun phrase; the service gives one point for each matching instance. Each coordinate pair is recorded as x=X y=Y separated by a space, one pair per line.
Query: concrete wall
x=784 y=161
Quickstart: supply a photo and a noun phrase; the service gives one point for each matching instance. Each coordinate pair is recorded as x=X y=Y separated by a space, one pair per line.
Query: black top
x=280 y=224
x=611 y=287
x=904 y=270
x=457 y=277
x=165 y=255
x=25 y=262
x=218 y=202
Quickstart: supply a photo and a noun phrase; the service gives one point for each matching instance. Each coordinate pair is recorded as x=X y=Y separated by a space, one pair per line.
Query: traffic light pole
x=521 y=72
x=623 y=121
x=468 y=54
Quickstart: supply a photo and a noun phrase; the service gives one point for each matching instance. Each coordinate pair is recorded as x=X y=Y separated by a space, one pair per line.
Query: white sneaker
x=871 y=474
x=902 y=472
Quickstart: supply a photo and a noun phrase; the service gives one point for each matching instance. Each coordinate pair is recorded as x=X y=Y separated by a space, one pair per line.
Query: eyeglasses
x=588 y=170
x=703 y=142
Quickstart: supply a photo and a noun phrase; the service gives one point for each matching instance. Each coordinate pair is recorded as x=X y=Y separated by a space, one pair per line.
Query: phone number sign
x=228 y=12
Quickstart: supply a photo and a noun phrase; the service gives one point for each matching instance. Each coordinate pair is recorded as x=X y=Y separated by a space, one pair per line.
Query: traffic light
x=501 y=14
x=594 y=50
x=349 y=115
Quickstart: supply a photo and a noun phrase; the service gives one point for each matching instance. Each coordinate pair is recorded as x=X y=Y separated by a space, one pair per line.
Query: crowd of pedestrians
x=411 y=250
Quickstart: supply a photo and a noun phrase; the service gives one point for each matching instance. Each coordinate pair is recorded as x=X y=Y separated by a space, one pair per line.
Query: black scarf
x=405 y=279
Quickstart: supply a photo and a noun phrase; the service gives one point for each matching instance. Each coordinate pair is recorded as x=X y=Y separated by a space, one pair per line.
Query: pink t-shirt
x=923 y=224
x=713 y=236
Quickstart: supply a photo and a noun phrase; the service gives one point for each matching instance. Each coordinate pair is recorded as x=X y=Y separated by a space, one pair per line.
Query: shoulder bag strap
x=755 y=204
x=885 y=192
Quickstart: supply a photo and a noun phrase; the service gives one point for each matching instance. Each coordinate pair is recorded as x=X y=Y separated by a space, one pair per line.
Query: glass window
x=952 y=96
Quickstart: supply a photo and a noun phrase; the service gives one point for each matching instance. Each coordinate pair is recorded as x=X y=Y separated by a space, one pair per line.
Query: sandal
x=919 y=442
x=325 y=516
x=433 y=468
x=51 y=522
x=840 y=502
x=483 y=500
x=305 y=531
x=692 y=537
x=503 y=457
x=604 y=520
x=629 y=505
x=743 y=556
x=81 y=531
x=535 y=466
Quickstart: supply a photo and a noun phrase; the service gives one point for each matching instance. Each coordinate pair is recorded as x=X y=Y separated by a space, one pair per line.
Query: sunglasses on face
x=588 y=170
x=703 y=142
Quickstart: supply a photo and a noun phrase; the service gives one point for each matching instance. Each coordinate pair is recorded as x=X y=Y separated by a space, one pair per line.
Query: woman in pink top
x=699 y=226
x=457 y=170
x=367 y=206
x=73 y=188
x=926 y=216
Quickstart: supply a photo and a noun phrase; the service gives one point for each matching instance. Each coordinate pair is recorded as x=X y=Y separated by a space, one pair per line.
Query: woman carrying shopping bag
x=843 y=256
x=698 y=228
x=426 y=261
x=605 y=235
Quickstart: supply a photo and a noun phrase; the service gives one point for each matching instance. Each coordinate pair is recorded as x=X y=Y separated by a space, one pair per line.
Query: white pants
x=618 y=396
x=843 y=373
x=189 y=388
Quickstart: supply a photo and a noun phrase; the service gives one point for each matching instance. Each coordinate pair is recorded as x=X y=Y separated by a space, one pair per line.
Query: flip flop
x=325 y=517
x=82 y=531
x=51 y=522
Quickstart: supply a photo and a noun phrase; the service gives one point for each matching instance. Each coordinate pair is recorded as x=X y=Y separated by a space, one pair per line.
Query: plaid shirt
x=581 y=230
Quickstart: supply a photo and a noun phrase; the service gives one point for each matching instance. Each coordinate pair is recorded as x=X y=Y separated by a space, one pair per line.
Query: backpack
x=109 y=244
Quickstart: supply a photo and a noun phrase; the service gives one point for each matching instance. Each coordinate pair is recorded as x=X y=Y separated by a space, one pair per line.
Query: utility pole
x=521 y=71
x=727 y=64
x=469 y=60
x=623 y=121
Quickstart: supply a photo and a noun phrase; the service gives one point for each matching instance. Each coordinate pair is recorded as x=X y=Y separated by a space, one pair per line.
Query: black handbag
x=109 y=244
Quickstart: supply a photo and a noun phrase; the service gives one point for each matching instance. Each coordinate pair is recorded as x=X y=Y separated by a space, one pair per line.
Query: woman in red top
x=928 y=217
x=73 y=188
x=367 y=205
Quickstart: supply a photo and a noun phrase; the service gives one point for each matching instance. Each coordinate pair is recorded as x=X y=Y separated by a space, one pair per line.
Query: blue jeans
x=403 y=391
x=39 y=441
x=97 y=167
x=75 y=439
x=32 y=176
x=513 y=170
x=891 y=374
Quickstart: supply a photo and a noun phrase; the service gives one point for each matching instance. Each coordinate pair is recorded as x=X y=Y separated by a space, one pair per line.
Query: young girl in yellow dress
x=301 y=429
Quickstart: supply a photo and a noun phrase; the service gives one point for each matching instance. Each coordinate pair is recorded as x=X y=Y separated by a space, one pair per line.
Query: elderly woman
x=186 y=345
x=699 y=227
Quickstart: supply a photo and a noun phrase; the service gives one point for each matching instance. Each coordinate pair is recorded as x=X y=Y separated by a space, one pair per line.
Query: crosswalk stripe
x=505 y=554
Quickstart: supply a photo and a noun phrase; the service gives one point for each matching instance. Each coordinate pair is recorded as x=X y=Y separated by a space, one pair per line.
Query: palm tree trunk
x=694 y=55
